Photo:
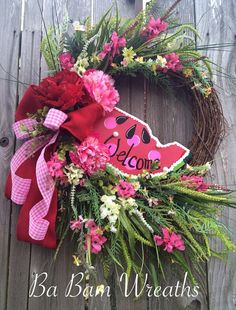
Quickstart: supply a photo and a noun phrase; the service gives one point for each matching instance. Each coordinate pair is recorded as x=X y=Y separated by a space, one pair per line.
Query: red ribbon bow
x=80 y=124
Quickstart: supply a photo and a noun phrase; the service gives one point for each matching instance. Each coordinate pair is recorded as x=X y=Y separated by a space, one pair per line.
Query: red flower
x=62 y=90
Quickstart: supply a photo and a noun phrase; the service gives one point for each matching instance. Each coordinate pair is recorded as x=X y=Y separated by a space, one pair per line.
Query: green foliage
x=164 y=201
x=50 y=50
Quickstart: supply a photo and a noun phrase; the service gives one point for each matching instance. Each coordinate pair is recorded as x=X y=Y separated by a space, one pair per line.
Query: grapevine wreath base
x=93 y=170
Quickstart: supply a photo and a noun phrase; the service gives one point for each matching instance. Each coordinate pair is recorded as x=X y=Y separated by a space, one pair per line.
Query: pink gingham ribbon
x=38 y=226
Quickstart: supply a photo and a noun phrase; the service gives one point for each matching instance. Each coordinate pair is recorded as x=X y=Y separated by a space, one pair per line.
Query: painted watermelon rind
x=176 y=166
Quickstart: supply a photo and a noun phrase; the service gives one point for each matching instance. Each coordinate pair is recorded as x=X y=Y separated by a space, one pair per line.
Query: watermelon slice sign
x=133 y=148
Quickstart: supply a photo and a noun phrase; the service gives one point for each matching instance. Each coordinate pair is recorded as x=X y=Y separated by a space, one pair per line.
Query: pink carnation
x=154 y=28
x=195 y=182
x=66 y=61
x=90 y=155
x=55 y=165
x=100 y=87
x=173 y=62
x=125 y=189
x=170 y=241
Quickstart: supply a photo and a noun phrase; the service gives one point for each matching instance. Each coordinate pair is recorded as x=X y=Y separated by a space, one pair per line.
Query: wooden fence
x=170 y=118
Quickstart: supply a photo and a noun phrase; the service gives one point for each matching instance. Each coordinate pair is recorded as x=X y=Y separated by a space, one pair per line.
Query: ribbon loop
x=21 y=186
x=54 y=119
x=21 y=127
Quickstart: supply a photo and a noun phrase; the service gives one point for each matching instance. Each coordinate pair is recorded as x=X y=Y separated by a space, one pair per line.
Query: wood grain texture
x=169 y=116
x=19 y=255
x=60 y=271
x=132 y=92
x=9 y=38
x=222 y=28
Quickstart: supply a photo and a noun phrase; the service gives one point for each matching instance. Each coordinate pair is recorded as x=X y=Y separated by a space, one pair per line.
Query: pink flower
x=66 y=61
x=158 y=240
x=102 y=55
x=112 y=47
x=94 y=237
x=125 y=189
x=90 y=224
x=170 y=241
x=107 y=47
x=100 y=87
x=90 y=155
x=195 y=182
x=77 y=224
x=154 y=28
x=97 y=242
x=173 y=62
x=55 y=165
x=117 y=43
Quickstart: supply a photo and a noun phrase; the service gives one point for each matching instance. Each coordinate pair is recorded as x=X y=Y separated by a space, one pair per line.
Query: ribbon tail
x=38 y=225
x=24 y=164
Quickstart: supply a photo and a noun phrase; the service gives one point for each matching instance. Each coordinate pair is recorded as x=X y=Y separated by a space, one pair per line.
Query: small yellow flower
x=161 y=61
x=189 y=167
x=154 y=67
x=188 y=72
x=115 y=66
x=140 y=60
x=78 y=27
x=207 y=92
x=204 y=74
x=128 y=54
x=136 y=185
x=76 y=261
x=95 y=59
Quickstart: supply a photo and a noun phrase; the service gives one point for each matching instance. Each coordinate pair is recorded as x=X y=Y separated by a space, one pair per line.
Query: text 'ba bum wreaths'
x=92 y=169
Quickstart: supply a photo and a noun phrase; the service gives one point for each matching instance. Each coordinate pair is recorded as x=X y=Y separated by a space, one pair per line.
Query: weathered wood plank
x=29 y=73
x=222 y=29
x=169 y=116
x=60 y=271
x=9 y=37
x=127 y=91
x=126 y=8
x=132 y=101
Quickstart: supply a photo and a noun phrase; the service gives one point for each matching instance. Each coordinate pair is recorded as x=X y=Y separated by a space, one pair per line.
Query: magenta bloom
x=76 y=224
x=117 y=43
x=97 y=242
x=100 y=87
x=66 y=61
x=112 y=47
x=55 y=165
x=125 y=189
x=195 y=182
x=90 y=155
x=94 y=237
x=90 y=224
x=173 y=62
x=154 y=28
x=170 y=241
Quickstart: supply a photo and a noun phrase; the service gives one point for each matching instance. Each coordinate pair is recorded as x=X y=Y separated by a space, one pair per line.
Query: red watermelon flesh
x=132 y=146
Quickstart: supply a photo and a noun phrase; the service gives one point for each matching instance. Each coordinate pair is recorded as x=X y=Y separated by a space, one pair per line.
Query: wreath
x=93 y=170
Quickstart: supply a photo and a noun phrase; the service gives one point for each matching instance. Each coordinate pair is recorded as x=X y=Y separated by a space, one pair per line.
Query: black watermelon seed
x=130 y=132
x=145 y=136
x=121 y=119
